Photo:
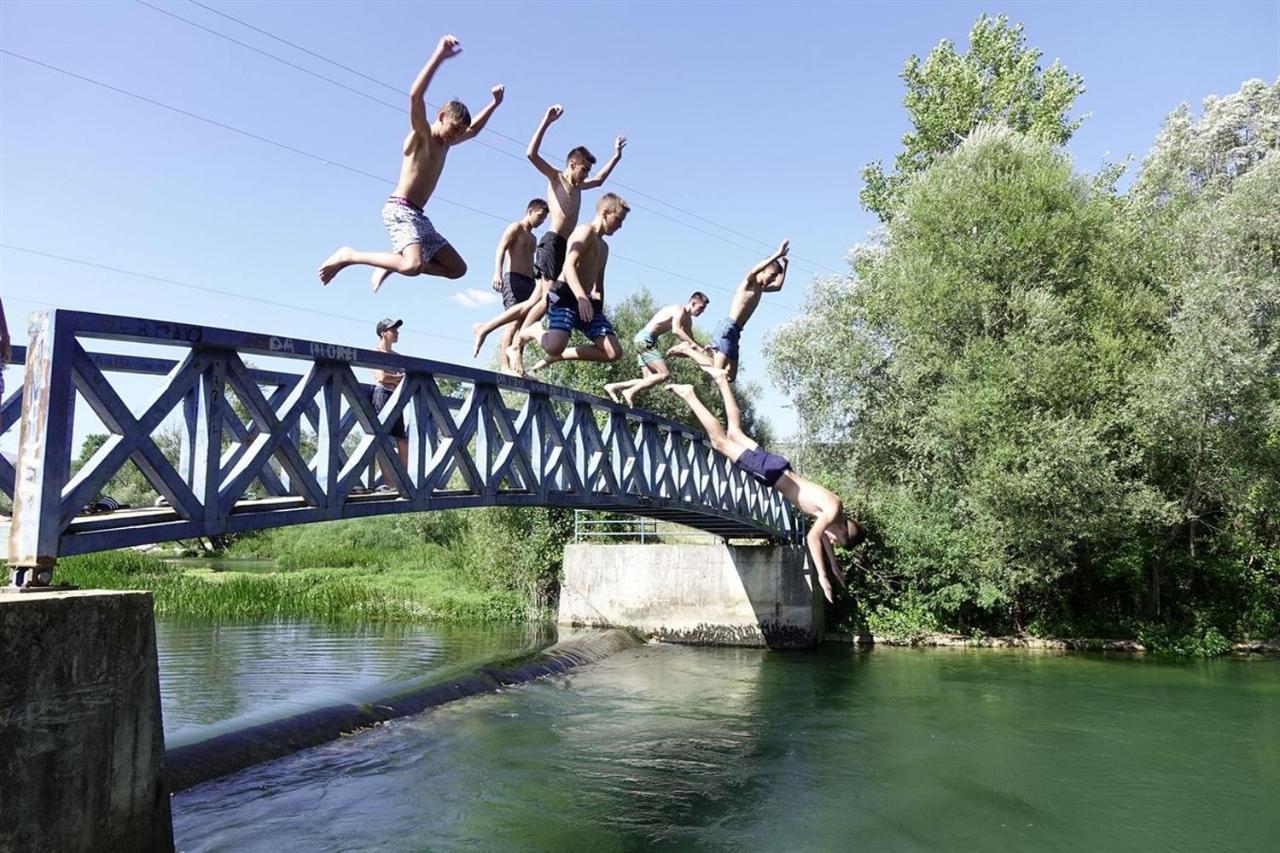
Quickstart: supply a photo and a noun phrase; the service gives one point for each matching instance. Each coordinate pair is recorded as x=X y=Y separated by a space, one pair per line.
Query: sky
x=747 y=123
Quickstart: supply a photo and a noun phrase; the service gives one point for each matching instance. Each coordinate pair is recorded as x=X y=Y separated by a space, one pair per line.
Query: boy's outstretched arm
x=814 y=540
x=599 y=177
x=448 y=48
x=681 y=327
x=778 y=255
x=504 y=246
x=553 y=112
x=483 y=118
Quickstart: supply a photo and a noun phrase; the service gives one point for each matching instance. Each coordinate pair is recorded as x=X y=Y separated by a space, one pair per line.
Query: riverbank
x=414 y=590
x=1264 y=648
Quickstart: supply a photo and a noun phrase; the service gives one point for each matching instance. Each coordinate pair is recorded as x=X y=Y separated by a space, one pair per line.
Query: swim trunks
x=516 y=288
x=407 y=224
x=726 y=337
x=647 y=351
x=563 y=317
x=381 y=394
x=764 y=466
x=548 y=258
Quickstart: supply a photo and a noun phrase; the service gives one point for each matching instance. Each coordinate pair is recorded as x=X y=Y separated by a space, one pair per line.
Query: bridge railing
x=303 y=442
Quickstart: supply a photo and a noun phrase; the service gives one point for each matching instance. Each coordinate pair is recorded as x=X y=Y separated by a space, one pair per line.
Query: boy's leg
x=446 y=263
x=720 y=439
x=656 y=372
x=732 y=413
x=527 y=331
x=514 y=314
x=408 y=262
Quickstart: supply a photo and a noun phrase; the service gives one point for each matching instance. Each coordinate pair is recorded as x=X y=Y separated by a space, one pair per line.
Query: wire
x=488 y=128
x=340 y=165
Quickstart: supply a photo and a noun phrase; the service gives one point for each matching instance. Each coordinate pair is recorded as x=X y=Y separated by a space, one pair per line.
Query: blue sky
x=755 y=117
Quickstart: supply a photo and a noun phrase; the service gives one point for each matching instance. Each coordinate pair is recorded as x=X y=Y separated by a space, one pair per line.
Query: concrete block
x=704 y=594
x=81 y=741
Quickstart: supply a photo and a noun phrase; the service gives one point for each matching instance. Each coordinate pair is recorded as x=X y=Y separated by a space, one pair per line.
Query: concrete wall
x=81 y=742
x=712 y=594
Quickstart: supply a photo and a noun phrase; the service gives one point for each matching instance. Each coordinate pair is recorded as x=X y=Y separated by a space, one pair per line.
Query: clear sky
x=753 y=119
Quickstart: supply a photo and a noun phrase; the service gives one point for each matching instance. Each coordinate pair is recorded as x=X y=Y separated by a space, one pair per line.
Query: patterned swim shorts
x=407 y=224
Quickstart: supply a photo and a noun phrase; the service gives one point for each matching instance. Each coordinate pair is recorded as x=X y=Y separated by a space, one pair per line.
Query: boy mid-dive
x=830 y=525
x=418 y=247
x=676 y=319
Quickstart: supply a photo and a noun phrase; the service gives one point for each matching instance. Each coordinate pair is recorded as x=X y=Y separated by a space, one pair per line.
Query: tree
x=998 y=81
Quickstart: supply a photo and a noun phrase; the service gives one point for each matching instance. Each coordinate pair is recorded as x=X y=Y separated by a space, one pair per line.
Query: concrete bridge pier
x=81 y=741
x=731 y=595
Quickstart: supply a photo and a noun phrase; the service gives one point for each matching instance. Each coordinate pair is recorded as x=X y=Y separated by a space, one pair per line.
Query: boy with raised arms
x=765 y=277
x=564 y=194
x=418 y=249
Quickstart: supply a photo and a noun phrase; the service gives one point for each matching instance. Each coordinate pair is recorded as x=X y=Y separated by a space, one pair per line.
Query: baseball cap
x=387 y=323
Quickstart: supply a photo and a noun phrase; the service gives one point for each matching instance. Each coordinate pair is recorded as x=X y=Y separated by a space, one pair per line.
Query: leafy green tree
x=999 y=80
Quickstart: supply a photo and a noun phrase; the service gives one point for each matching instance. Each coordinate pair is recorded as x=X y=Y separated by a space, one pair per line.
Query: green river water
x=670 y=747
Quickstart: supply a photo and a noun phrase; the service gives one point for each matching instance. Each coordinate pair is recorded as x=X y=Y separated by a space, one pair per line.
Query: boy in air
x=418 y=247
x=677 y=319
x=830 y=525
x=385 y=383
x=564 y=193
x=577 y=300
x=516 y=285
x=765 y=277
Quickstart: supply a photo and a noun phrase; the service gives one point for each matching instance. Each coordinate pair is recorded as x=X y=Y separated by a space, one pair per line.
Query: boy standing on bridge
x=516 y=285
x=385 y=383
x=830 y=525
x=765 y=277
x=577 y=300
x=418 y=247
x=564 y=193
x=676 y=319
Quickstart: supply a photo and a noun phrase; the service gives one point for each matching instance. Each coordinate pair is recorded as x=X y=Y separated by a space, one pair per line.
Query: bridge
x=263 y=448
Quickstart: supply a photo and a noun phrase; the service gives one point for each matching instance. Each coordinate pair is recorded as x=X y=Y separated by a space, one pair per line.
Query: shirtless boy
x=564 y=193
x=676 y=319
x=516 y=285
x=830 y=525
x=765 y=277
x=418 y=247
x=577 y=300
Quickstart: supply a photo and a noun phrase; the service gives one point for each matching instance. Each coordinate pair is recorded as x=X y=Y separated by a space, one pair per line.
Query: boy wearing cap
x=385 y=383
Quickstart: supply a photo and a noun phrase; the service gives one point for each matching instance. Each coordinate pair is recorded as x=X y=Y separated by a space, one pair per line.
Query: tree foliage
x=999 y=80
x=1061 y=406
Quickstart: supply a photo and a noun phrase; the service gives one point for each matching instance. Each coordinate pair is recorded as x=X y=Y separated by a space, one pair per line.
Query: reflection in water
x=669 y=746
x=215 y=678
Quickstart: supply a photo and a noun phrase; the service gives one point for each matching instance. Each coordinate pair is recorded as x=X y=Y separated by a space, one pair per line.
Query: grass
x=395 y=587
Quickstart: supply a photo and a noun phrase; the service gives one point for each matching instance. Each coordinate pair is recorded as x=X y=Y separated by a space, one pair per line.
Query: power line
x=488 y=129
x=354 y=170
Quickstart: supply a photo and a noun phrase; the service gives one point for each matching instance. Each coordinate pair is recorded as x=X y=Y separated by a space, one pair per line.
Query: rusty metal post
x=44 y=461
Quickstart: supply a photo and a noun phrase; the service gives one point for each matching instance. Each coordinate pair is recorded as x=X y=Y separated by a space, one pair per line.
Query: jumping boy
x=418 y=247
x=577 y=300
x=765 y=277
x=564 y=193
x=830 y=525
x=516 y=285
x=676 y=319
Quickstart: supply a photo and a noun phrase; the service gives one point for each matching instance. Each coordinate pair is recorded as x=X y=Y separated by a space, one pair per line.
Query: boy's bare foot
x=508 y=370
x=335 y=264
x=378 y=277
x=680 y=349
x=481 y=333
x=515 y=357
x=680 y=388
x=630 y=396
x=716 y=373
x=541 y=365
x=612 y=390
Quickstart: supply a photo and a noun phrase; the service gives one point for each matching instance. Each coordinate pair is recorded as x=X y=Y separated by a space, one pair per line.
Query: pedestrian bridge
x=260 y=448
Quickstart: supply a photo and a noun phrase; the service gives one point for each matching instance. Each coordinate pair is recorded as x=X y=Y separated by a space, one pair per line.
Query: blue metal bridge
x=266 y=448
